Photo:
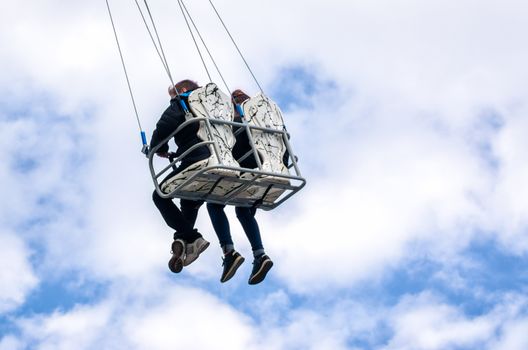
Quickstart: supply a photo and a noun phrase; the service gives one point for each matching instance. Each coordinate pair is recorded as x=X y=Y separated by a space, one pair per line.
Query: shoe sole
x=261 y=273
x=176 y=262
x=187 y=262
x=238 y=261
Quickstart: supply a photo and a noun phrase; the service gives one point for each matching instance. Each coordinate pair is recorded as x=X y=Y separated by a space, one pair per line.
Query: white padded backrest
x=263 y=112
x=209 y=101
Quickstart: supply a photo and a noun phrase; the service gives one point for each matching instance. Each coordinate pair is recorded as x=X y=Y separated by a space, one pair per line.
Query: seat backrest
x=209 y=101
x=263 y=112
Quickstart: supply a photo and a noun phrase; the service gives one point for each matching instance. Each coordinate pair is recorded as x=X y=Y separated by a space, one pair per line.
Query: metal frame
x=296 y=182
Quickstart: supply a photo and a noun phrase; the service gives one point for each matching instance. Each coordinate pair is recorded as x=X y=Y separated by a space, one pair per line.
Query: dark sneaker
x=194 y=249
x=261 y=266
x=232 y=262
x=178 y=250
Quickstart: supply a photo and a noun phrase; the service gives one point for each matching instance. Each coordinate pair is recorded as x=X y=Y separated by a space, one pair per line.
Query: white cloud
x=424 y=322
x=514 y=336
x=76 y=329
x=187 y=317
x=17 y=276
x=177 y=317
x=10 y=343
x=509 y=203
x=436 y=326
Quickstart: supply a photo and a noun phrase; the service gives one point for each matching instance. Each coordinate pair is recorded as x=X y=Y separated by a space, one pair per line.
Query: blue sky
x=409 y=120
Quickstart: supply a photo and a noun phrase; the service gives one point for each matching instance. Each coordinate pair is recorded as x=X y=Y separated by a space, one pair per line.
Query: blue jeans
x=246 y=216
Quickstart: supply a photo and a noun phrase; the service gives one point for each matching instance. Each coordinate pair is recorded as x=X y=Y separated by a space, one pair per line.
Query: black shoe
x=261 y=266
x=178 y=250
x=232 y=262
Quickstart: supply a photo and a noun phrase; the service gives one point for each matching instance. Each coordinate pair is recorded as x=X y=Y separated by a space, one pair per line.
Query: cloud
x=75 y=329
x=508 y=204
x=163 y=319
x=425 y=322
x=433 y=325
x=17 y=276
x=188 y=317
x=10 y=343
x=514 y=336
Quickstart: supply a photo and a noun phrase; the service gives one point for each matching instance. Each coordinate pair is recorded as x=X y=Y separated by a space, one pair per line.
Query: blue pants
x=246 y=216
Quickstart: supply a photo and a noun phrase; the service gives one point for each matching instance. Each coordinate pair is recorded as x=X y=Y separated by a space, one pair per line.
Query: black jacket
x=242 y=146
x=170 y=120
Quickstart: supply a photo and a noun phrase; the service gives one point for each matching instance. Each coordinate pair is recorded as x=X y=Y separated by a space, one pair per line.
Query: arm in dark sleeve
x=286 y=156
x=156 y=139
x=170 y=120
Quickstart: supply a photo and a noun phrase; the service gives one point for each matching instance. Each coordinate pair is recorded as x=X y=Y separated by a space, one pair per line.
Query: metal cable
x=194 y=39
x=163 y=62
x=124 y=68
x=205 y=45
x=159 y=42
x=236 y=46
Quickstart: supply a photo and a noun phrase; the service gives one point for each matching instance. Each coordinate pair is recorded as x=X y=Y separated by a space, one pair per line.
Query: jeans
x=246 y=216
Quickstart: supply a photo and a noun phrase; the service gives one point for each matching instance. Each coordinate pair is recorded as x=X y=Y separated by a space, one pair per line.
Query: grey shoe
x=178 y=250
x=194 y=249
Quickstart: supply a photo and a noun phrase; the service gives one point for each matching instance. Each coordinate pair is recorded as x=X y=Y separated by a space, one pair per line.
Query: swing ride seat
x=220 y=178
x=206 y=104
x=265 y=115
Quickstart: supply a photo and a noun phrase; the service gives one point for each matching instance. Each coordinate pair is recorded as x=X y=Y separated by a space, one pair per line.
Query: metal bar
x=290 y=152
x=252 y=143
x=192 y=148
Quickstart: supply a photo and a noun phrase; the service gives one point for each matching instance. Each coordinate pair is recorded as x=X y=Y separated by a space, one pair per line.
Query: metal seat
x=220 y=178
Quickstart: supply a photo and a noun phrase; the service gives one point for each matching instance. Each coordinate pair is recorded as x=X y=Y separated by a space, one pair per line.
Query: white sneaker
x=193 y=250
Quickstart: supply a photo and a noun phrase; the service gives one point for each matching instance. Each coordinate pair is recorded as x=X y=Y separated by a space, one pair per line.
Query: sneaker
x=194 y=249
x=178 y=250
x=261 y=266
x=232 y=262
